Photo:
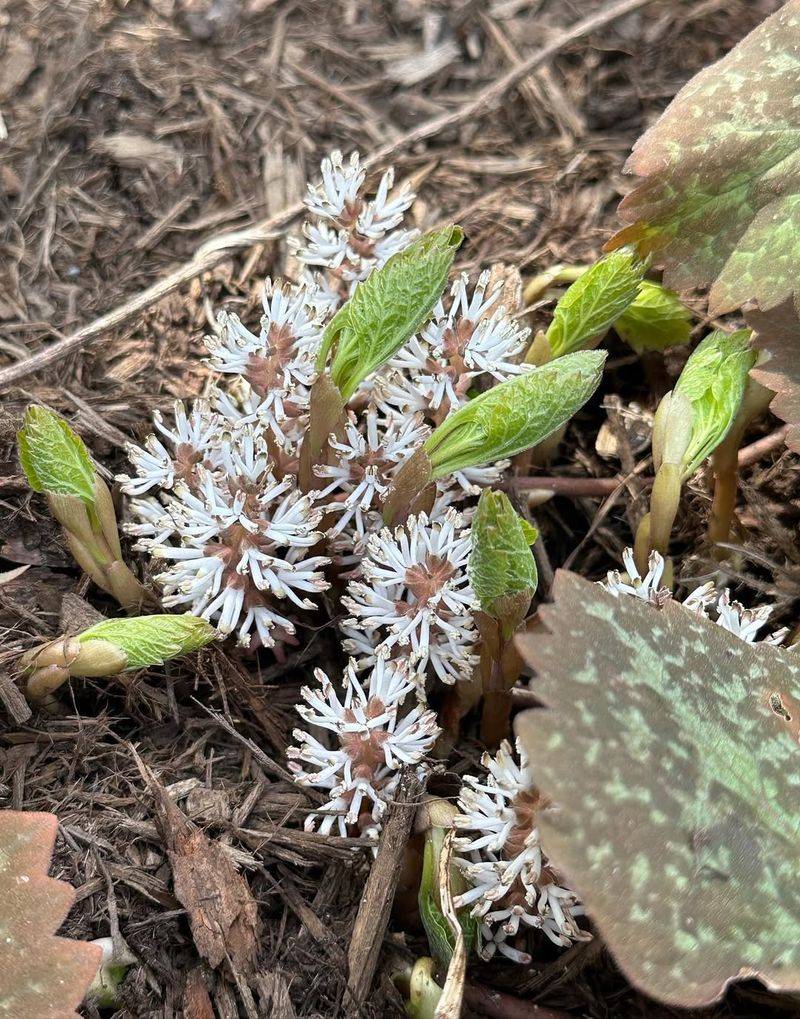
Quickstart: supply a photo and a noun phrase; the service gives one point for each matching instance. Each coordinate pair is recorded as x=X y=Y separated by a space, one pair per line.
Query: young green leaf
x=152 y=640
x=655 y=321
x=388 y=308
x=501 y=564
x=714 y=380
x=515 y=415
x=721 y=200
x=53 y=457
x=681 y=833
x=595 y=301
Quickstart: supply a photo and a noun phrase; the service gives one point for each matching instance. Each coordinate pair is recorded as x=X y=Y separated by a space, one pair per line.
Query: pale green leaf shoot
x=501 y=563
x=152 y=640
x=515 y=415
x=656 y=320
x=595 y=301
x=387 y=308
x=714 y=380
x=53 y=457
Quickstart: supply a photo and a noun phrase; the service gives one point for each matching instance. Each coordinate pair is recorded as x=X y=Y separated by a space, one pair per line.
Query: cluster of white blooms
x=346 y=235
x=415 y=598
x=372 y=740
x=706 y=600
x=215 y=497
x=500 y=855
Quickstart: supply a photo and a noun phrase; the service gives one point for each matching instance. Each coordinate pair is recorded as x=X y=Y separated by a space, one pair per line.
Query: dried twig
x=376 y=903
x=219 y=248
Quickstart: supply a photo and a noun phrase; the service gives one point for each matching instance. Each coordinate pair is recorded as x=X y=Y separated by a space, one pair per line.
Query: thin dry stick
x=218 y=249
x=376 y=903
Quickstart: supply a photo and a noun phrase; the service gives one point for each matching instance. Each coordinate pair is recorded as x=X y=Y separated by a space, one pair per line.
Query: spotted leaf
x=720 y=204
x=671 y=749
x=41 y=975
x=778 y=334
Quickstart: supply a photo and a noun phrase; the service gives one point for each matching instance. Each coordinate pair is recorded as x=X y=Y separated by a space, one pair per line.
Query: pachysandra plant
x=503 y=575
x=111 y=647
x=57 y=465
x=691 y=422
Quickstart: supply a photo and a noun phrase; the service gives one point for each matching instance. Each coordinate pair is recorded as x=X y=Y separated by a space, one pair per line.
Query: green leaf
x=714 y=380
x=437 y=929
x=152 y=640
x=501 y=563
x=387 y=309
x=594 y=301
x=670 y=747
x=515 y=415
x=655 y=321
x=721 y=200
x=53 y=457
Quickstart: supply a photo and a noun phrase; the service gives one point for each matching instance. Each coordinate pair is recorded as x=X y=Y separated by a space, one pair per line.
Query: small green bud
x=502 y=569
x=595 y=301
x=714 y=381
x=152 y=640
x=387 y=308
x=672 y=429
x=655 y=321
x=54 y=458
x=515 y=415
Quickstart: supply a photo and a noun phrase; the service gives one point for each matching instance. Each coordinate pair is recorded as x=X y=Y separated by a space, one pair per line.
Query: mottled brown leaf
x=41 y=976
x=222 y=911
x=778 y=334
x=670 y=747
x=720 y=203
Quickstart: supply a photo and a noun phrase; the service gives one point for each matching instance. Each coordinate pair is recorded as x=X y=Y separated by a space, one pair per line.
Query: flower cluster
x=415 y=597
x=706 y=600
x=346 y=235
x=500 y=854
x=372 y=740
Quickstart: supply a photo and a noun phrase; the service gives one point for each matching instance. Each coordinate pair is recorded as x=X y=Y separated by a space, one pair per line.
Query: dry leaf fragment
x=138 y=152
x=223 y=914
x=41 y=975
x=670 y=747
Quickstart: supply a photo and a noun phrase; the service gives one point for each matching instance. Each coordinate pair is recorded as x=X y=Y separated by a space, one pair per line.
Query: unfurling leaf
x=778 y=336
x=721 y=200
x=681 y=832
x=655 y=321
x=501 y=564
x=53 y=457
x=41 y=975
x=515 y=415
x=152 y=640
x=387 y=308
x=714 y=380
x=595 y=301
x=111 y=647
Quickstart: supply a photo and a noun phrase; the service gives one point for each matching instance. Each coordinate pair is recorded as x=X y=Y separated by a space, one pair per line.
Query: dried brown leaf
x=222 y=912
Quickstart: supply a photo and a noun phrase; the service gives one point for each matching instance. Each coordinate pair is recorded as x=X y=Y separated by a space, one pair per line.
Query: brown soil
x=137 y=131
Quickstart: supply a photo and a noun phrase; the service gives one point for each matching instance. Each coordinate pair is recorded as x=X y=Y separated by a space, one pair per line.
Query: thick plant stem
x=500 y=668
x=726 y=484
x=654 y=531
x=409 y=483
x=725 y=463
x=326 y=410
